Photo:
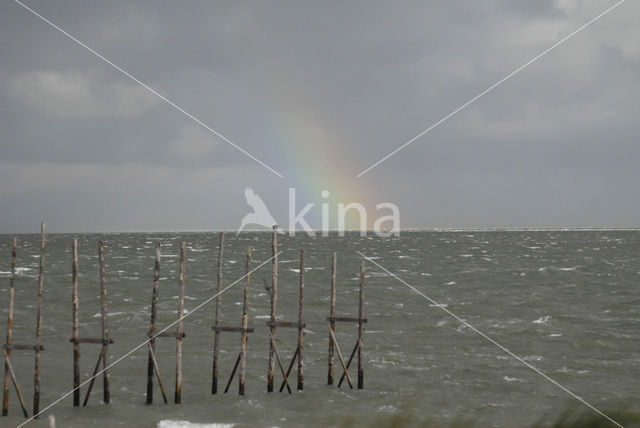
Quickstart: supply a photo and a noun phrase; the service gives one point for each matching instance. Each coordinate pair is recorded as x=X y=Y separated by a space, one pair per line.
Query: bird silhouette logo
x=260 y=215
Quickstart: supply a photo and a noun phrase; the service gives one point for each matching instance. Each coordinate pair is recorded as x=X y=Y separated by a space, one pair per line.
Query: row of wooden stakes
x=153 y=369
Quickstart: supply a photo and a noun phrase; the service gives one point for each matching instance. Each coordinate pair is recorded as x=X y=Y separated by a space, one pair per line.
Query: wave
x=187 y=424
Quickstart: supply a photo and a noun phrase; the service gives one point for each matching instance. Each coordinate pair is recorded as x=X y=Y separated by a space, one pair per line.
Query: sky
x=318 y=91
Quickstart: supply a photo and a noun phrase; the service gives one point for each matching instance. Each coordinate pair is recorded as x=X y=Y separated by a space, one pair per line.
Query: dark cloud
x=87 y=148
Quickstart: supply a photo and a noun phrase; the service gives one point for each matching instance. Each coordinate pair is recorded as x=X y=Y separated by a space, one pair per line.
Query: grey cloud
x=73 y=95
x=555 y=145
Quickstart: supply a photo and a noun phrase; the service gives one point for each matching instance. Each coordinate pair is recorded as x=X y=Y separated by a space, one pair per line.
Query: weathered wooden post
x=36 y=376
x=216 y=334
x=301 y=322
x=245 y=316
x=106 y=378
x=274 y=297
x=332 y=313
x=7 y=349
x=76 y=332
x=152 y=328
x=180 y=330
x=361 y=326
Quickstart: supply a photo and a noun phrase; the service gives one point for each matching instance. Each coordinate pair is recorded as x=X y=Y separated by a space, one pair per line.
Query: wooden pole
x=361 y=327
x=274 y=298
x=5 y=397
x=332 y=313
x=152 y=328
x=245 y=316
x=36 y=375
x=157 y=370
x=353 y=353
x=293 y=360
x=216 y=335
x=345 y=369
x=277 y=355
x=301 y=323
x=93 y=377
x=233 y=373
x=15 y=385
x=106 y=378
x=76 y=333
x=179 y=332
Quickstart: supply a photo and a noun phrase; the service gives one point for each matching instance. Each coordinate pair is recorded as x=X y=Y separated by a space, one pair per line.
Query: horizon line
x=356 y=230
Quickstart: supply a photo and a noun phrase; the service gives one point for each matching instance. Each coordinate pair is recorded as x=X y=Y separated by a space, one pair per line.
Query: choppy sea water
x=567 y=302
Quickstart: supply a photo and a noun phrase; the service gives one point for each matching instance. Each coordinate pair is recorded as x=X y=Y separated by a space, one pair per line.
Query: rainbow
x=307 y=150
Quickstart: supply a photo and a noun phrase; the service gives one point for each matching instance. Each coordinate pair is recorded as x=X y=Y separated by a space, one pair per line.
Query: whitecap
x=187 y=424
x=542 y=320
x=532 y=358
x=110 y=314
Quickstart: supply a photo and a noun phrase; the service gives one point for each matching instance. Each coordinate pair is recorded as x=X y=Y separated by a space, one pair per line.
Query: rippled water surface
x=567 y=302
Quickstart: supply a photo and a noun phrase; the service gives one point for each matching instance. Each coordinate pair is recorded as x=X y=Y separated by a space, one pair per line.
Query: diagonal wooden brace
x=279 y=360
x=7 y=361
x=344 y=366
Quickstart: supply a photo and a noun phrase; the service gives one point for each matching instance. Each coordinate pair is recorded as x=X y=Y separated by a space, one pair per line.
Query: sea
x=465 y=328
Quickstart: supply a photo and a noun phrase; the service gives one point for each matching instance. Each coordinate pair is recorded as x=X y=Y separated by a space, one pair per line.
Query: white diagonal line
x=151 y=337
x=490 y=88
x=150 y=89
x=490 y=339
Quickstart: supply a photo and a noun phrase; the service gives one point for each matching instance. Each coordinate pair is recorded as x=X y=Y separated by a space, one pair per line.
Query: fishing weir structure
x=179 y=335
x=103 y=356
x=360 y=320
x=153 y=370
x=243 y=329
x=9 y=345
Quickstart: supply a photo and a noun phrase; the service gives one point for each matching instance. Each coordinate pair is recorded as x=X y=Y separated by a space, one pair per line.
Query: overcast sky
x=318 y=91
